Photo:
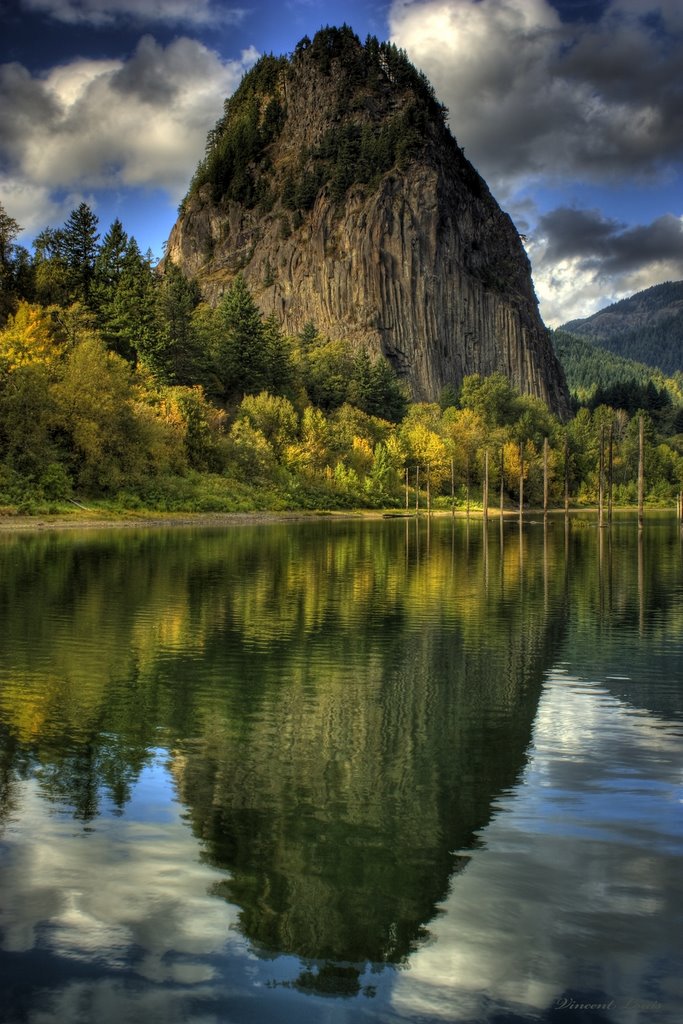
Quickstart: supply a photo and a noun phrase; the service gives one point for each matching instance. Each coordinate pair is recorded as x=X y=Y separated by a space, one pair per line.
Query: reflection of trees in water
x=347 y=731
x=344 y=702
x=624 y=612
x=337 y=802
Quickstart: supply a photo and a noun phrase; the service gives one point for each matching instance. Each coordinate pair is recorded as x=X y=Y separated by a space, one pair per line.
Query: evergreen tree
x=308 y=337
x=109 y=264
x=78 y=242
x=279 y=368
x=240 y=349
x=375 y=389
x=128 y=318
x=172 y=351
x=51 y=272
x=9 y=230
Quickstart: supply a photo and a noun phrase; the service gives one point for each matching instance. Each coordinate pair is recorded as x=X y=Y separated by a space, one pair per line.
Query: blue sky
x=571 y=109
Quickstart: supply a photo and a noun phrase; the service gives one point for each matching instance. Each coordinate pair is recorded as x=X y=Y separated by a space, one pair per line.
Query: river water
x=342 y=772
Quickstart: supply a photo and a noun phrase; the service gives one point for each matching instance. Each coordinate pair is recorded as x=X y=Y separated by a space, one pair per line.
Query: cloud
x=540 y=99
x=583 y=260
x=102 y=13
x=93 y=124
x=34 y=206
x=609 y=245
x=538 y=900
x=532 y=95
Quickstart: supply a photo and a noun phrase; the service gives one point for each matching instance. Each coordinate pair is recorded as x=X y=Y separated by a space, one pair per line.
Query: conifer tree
x=12 y=265
x=109 y=264
x=78 y=243
x=51 y=272
x=171 y=351
x=279 y=368
x=240 y=351
x=128 y=319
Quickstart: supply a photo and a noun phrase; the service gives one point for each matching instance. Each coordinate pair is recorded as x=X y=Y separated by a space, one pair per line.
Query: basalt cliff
x=333 y=184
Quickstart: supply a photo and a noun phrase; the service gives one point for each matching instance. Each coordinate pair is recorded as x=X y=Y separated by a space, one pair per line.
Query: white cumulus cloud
x=92 y=124
x=584 y=261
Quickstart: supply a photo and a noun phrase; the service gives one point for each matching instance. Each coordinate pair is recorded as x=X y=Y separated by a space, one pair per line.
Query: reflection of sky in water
x=575 y=888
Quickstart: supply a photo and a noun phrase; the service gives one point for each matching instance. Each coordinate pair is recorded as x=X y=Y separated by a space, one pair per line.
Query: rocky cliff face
x=334 y=186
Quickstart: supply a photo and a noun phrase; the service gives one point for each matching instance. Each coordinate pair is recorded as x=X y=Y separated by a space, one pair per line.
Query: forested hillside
x=647 y=327
x=598 y=377
x=118 y=386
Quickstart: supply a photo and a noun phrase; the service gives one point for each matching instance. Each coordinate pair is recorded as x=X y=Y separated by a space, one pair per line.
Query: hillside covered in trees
x=119 y=386
x=598 y=377
x=646 y=327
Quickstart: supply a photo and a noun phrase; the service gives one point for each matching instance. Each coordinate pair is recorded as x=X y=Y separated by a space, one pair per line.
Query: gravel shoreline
x=102 y=521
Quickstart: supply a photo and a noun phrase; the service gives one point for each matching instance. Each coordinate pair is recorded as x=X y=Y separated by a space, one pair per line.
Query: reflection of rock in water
x=339 y=806
x=355 y=702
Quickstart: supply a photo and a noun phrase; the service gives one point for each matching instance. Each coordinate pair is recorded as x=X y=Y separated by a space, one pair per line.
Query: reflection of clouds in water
x=577 y=886
x=110 y=1002
x=130 y=895
x=575 y=889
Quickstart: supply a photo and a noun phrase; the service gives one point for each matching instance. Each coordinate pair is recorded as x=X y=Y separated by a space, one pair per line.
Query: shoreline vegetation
x=105 y=519
x=122 y=391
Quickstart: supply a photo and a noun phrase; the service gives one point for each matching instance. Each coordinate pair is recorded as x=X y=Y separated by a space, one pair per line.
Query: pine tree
x=240 y=351
x=9 y=263
x=109 y=264
x=279 y=368
x=128 y=318
x=309 y=336
x=52 y=277
x=171 y=352
x=78 y=243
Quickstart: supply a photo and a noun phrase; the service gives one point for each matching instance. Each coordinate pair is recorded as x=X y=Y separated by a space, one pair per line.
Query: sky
x=572 y=110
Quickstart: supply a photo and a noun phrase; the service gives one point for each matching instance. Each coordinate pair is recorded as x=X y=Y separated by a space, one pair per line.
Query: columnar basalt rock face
x=418 y=263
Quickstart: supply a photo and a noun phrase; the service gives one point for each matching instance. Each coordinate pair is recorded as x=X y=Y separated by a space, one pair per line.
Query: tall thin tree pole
x=521 y=481
x=468 y=485
x=417 y=490
x=452 y=486
x=641 y=471
x=406 y=488
x=610 y=472
x=601 y=478
x=502 y=483
x=485 y=502
x=429 y=490
x=545 y=479
x=566 y=477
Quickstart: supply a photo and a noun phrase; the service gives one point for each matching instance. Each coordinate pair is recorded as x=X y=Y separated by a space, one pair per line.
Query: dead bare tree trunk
x=521 y=481
x=545 y=479
x=641 y=472
x=485 y=496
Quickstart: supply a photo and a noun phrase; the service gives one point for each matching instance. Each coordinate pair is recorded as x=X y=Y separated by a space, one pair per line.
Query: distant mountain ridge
x=647 y=327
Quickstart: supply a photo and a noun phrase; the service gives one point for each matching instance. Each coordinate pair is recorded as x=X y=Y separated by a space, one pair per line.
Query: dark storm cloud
x=108 y=12
x=608 y=246
x=146 y=74
x=533 y=94
x=24 y=102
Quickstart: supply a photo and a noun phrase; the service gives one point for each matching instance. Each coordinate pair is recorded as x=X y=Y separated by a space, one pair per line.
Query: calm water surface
x=342 y=772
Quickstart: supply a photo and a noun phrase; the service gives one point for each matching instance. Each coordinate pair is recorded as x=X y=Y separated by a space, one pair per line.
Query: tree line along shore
x=121 y=390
